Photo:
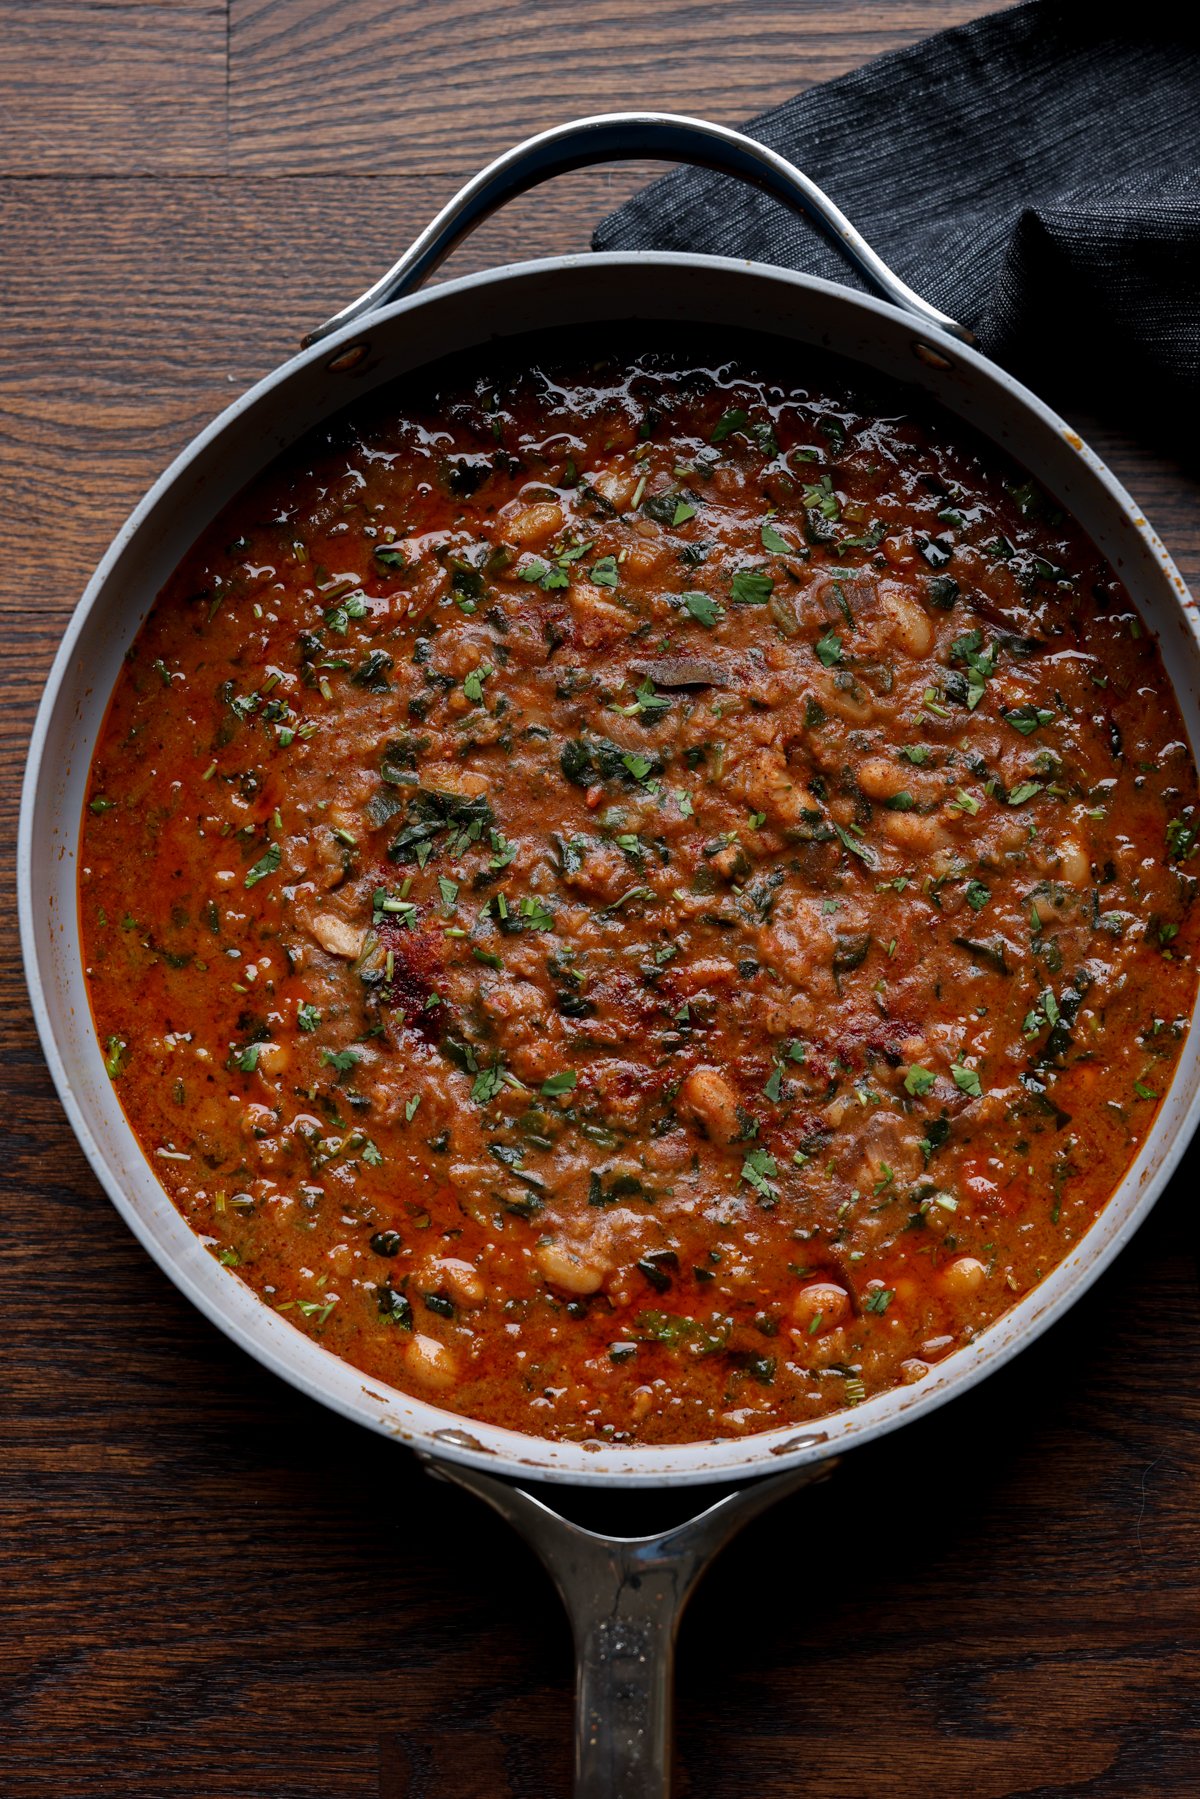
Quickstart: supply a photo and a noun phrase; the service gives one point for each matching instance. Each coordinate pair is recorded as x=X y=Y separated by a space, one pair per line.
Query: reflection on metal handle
x=618 y=137
x=625 y=1597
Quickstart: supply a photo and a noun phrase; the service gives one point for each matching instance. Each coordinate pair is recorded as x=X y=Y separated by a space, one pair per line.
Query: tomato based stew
x=644 y=898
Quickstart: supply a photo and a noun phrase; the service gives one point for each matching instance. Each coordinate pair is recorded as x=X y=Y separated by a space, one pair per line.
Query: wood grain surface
x=210 y=1588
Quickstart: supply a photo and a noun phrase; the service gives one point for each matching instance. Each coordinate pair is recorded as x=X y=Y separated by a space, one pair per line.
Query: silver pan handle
x=620 y=137
x=625 y=1597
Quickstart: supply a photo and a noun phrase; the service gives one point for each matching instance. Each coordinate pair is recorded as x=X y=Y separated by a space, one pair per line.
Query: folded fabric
x=1033 y=173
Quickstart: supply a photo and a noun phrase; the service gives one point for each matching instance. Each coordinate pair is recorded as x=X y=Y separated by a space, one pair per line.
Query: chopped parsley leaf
x=703 y=608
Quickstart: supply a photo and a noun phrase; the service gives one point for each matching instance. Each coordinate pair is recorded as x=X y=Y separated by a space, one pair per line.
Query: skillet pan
x=624 y=1595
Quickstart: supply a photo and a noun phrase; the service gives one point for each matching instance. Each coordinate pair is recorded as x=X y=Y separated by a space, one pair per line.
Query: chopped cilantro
x=759 y=1169
x=645 y=700
x=267 y=864
x=555 y=1084
x=751 y=587
x=1027 y=719
x=1181 y=839
x=703 y=608
x=487 y=1084
x=733 y=420
x=863 y=851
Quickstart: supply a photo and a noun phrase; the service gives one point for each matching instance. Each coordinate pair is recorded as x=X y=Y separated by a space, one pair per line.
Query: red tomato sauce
x=642 y=899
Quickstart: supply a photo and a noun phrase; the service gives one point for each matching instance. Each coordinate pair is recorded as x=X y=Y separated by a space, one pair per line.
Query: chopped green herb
x=1182 y=837
x=734 y=420
x=555 y=1084
x=703 y=608
x=759 y=1169
x=645 y=700
x=473 y=685
x=863 y=851
x=751 y=587
x=487 y=1084
x=820 y=497
x=267 y=864
x=1027 y=719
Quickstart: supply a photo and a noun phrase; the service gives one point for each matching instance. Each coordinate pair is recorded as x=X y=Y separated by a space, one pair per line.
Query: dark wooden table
x=210 y=1587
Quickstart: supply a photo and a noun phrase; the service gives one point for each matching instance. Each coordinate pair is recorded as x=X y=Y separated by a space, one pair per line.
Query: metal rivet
x=934 y=358
x=347 y=359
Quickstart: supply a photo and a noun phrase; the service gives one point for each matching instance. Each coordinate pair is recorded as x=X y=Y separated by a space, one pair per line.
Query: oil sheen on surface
x=642 y=899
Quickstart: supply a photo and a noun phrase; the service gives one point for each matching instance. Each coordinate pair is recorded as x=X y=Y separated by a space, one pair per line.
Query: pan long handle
x=625 y=1597
x=618 y=137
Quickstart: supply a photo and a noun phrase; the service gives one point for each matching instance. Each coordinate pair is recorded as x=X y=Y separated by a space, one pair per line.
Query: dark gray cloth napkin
x=1034 y=174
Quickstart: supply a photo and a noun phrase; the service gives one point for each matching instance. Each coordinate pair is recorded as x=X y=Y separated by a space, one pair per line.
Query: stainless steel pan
x=625 y=1596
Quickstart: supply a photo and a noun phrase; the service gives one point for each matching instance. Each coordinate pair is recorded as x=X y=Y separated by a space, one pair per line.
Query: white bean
x=821 y=1306
x=712 y=1102
x=430 y=1362
x=337 y=936
x=963 y=1276
x=565 y=1268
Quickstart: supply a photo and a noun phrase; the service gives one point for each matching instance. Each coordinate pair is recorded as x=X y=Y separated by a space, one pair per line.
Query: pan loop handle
x=620 y=137
x=625 y=1597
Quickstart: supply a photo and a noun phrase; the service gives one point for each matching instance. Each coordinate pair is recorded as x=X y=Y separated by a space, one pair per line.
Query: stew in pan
x=642 y=892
